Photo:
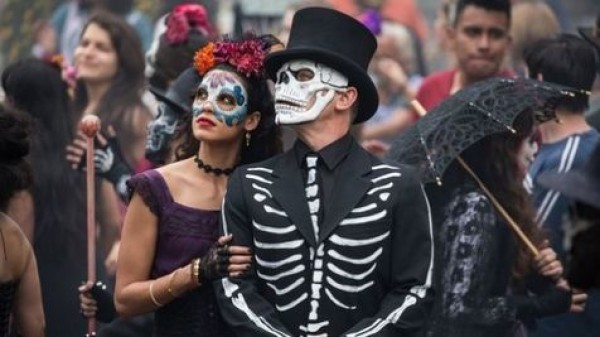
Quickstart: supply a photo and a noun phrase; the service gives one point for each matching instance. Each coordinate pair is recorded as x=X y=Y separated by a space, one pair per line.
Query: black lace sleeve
x=142 y=185
x=470 y=253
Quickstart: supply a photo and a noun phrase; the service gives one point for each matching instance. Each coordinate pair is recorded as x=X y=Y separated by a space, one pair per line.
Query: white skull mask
x=298 y=81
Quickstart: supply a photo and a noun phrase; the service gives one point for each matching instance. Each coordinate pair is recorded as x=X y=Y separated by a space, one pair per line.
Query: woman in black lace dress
x=484 y=272
x=20 y=293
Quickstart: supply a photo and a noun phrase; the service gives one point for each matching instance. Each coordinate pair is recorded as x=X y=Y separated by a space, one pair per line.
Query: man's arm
x=408 y=303
x=242 y=307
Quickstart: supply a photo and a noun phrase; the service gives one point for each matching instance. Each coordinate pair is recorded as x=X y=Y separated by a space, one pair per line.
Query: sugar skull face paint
x=226 y=95
x=300 y=82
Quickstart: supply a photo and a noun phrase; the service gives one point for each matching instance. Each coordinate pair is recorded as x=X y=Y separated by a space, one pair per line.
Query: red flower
x=196 y=17
x=246 y=57
x=178 y=28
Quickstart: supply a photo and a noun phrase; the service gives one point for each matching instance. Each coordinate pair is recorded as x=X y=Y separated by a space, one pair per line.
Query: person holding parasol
x=475 y=146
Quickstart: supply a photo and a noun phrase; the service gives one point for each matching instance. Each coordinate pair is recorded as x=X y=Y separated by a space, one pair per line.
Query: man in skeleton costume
x=342 y=241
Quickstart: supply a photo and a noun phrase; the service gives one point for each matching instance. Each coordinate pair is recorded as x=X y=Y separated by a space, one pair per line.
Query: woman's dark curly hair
x=265 y=140
x=15 y=172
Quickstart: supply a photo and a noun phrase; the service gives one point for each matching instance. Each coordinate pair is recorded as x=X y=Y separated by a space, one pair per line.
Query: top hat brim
x=162 y=96
x=368 y=98
x=588 y=34
x=574 y=184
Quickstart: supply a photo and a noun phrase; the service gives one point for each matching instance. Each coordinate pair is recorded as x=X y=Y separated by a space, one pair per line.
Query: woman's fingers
x=239 y=250
x=101 y=140
x=553 y=269
x=578 y=301
x=240 y=259
x=224 y=239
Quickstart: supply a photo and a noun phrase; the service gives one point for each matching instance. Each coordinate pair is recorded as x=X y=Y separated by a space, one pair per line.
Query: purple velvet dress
x=184 y=233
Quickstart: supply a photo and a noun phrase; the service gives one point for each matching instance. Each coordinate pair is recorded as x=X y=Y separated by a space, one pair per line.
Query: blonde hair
x=531 y=21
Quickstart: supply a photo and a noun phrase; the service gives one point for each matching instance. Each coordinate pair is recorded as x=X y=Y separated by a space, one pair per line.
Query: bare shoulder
x=177 y=173
x=16 y=243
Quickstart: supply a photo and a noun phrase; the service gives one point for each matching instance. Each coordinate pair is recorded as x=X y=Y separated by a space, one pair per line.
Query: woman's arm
x=20 y=209
x=471 y=252
x=28 y=310
x=135 y=292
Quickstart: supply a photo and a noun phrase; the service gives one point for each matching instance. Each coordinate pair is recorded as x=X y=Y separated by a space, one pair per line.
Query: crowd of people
x=252 y=184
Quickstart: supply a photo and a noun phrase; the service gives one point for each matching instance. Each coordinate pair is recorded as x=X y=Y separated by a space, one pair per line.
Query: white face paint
x=526 y=153
x=303 y=89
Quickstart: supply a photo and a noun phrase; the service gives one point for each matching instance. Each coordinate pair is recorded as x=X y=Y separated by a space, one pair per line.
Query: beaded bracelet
x=154 y=300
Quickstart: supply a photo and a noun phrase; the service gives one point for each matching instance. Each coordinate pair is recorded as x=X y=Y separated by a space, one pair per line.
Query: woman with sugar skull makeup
x=169 y=250
x=342 y=241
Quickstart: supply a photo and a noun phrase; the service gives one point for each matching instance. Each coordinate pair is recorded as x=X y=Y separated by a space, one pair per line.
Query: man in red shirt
x=480 y=40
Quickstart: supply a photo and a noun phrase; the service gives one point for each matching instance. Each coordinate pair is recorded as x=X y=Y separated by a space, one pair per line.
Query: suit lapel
x=350 y=187
x=288 y=190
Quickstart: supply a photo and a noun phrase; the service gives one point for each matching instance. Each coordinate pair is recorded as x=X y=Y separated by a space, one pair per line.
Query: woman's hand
x=109 y=161
x=578 y=297
x=223 y=260
x=547 y=263
x=240 y=257
x=87 y=303
x=96 y=301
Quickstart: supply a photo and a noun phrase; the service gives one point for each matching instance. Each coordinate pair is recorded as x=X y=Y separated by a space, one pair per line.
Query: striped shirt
x=562 y=156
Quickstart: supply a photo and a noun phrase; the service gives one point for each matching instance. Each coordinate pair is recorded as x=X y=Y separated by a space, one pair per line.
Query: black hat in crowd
x=180 y=92
x=337 y=40
x=582 y=185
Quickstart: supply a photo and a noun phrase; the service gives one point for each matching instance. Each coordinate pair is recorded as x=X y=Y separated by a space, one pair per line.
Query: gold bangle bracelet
x=170 y=289
x=196 y=270
x=154 y=300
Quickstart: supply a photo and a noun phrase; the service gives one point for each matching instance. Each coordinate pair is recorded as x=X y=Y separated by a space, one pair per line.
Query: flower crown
x=183 y=19
x=246 y=56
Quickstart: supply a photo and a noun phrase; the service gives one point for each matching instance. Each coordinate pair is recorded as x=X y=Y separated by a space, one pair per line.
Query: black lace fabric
x=473 y=258
x=7 y=295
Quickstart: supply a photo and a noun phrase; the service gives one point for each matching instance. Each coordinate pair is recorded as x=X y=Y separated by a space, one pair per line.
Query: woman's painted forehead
x=222 y=78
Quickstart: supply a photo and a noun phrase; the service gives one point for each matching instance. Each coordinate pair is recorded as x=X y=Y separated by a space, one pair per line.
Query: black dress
x=475 y=252
x=7 y=296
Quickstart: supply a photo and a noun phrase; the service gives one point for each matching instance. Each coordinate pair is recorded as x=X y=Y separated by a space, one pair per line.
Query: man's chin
x=482 y=72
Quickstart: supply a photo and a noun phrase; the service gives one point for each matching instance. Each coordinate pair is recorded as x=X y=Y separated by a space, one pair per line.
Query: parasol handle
x=90 y=125
x=511 y=223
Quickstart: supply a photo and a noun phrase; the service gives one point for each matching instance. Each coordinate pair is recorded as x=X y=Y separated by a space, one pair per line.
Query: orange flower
x=204 y=59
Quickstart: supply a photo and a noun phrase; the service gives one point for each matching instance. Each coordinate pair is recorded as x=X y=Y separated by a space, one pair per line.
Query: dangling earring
x=248 y=139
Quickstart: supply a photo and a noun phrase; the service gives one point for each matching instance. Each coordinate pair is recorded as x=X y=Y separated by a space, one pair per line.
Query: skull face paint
x=160 y=131
x=226 y=95
x=303 y=89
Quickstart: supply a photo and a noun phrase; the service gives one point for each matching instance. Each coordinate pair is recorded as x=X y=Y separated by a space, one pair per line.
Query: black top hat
x=338 y=41
x=580 y=184
x=180 y=92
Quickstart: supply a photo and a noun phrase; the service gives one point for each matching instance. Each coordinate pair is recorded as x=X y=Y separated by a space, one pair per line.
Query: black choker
x=209 y=169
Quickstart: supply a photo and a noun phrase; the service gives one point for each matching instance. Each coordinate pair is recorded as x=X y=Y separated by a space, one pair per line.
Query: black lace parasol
x=482 y=109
